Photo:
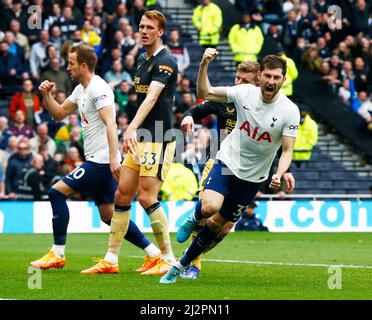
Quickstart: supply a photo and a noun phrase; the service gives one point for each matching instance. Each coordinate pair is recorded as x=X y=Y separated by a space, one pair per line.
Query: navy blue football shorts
x=238 y=193
x=93 y=180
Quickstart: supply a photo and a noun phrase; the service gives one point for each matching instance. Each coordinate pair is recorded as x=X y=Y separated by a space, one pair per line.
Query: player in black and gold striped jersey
x=148 y=145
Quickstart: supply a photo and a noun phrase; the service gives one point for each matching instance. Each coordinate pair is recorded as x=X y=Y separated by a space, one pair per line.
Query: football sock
x=198 y=246
x=59 y=250
x=134 y=235
x=197 y=261
x=119 y=226
x=152 y=250
x=197 y=213
x=111 y=257
x=159 y=225
x=212 y=245
x=61 y=216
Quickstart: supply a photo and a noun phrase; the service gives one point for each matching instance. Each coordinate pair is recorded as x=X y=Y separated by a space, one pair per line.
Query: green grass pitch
x=262 y=266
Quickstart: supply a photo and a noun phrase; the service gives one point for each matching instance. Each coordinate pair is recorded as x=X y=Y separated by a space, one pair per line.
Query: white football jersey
x=250 y=148
x=95 y=96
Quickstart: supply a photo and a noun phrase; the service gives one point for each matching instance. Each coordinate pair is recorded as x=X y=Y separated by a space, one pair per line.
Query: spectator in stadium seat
x=18 y=164
x=63 y=133
x=32 y=183
x=138 y=10
x=38 y=54
x=178 y=50
x=17 y=51
x=15 y=12
x=365 y=111
x=42 y=138
x=68 y=23
x=116 y=74
x=8 y=66
x=360 y=73
x=53 y=18
x=307 y=137
x=27 y=102
x=56 y=37
x=121 y=93
x=50 y=168
x=51 y=52
x=4 y=132
x=361 y=15
x=130 y=64
x=89 y=36
x=60 y=77
x=74 y=140
x=249 y=222
x=20 y=128
x=292 y=29
x=73 y=159
x=20 y=38
x=246 y=38
x=207 y=20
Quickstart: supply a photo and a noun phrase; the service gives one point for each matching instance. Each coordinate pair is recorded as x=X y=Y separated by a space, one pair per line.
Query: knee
x=146 y=200
x=121 y=198
x=208 y=209
x=55 y=194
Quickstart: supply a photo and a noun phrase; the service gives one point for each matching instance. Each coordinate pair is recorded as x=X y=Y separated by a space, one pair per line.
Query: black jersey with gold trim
x=163 y=68
x=225 y=112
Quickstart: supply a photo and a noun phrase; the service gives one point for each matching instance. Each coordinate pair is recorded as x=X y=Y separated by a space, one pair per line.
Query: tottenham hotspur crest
x=273 y=124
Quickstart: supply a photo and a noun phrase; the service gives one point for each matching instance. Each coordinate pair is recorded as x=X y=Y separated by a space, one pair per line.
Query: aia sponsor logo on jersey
x=253 y=132
x=102 y=97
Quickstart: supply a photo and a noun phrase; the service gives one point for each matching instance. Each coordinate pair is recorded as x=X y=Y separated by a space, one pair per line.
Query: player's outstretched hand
x=45 y=87
x=275 y=182
x=209 y=55
x=130 y=140
x=290 y=181
x=187 y=125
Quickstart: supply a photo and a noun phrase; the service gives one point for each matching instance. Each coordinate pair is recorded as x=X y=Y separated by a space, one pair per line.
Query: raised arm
x=57 y=111
x=204 y=88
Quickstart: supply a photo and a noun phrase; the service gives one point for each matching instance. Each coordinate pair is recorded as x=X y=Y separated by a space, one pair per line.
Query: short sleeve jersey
x=90 y=100
x=251 y=147
x=161 y=67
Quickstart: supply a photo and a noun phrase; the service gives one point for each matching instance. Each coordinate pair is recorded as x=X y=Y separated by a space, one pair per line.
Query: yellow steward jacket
x=208 y=19
x=291 y=76
x=307 y=138
x=245 y=43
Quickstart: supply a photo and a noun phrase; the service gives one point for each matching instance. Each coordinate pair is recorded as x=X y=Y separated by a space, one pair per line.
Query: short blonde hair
x=249 y=66
x=158 y=16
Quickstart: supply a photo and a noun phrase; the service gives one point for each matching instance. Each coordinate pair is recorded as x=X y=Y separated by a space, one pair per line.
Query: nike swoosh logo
x=244 y=107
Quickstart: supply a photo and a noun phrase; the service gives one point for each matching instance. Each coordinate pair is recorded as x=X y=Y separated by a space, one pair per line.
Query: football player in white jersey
x=96 y=177
x=266 y=120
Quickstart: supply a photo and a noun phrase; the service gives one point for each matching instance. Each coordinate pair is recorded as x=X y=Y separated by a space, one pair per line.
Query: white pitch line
x=290 y=264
